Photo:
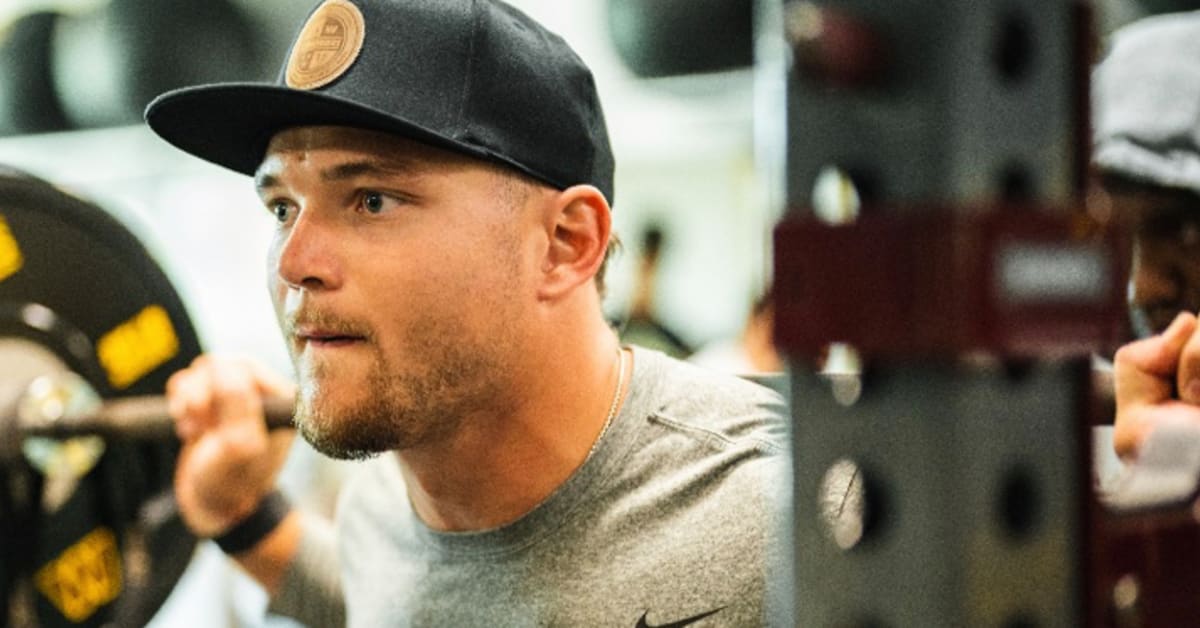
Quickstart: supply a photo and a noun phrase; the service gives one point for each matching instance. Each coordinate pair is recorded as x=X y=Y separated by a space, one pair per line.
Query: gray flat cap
x=1146 y=103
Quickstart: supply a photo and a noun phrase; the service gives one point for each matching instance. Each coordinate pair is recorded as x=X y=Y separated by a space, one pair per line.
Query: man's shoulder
x=714 y=406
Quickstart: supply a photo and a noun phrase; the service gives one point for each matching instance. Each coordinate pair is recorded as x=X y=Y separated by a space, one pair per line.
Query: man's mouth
x=329 y=340
x=324 y=331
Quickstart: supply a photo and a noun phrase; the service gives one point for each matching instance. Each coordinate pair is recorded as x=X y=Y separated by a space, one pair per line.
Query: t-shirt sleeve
x=312 y=587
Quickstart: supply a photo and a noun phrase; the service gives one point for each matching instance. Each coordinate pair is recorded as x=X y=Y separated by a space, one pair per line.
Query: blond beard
x=398 y=410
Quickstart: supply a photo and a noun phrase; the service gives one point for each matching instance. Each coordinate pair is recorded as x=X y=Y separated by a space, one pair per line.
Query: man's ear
x=579 y=223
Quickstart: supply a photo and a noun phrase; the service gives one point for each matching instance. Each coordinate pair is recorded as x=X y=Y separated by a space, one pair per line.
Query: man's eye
x=1173 y=229
x=373 y=202
x=281 y=210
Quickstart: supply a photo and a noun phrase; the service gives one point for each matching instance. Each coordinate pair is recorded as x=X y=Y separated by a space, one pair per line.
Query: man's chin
x=334 y=431
x=336 y=442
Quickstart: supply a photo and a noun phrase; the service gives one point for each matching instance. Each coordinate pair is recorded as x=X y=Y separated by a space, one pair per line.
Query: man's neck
x=496 y=469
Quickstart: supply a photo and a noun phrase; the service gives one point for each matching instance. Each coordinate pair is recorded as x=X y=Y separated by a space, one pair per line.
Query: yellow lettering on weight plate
x=84 y=577
x=137 y=346
x=10 y=254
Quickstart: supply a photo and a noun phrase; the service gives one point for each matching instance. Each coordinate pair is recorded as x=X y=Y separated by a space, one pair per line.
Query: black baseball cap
x=477 y=77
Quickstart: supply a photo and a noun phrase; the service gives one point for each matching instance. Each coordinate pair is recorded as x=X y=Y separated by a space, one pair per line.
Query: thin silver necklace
x=616 y=401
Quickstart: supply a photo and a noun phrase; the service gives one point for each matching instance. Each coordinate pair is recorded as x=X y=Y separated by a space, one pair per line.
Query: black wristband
x=249 y=531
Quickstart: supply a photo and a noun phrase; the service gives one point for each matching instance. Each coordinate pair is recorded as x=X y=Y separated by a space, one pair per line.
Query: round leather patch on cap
x=327 y=46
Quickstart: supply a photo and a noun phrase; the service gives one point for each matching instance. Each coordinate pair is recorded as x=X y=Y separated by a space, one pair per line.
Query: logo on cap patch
x=327 y=46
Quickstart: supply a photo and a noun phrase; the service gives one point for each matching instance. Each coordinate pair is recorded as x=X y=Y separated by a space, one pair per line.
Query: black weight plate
x=114 y=550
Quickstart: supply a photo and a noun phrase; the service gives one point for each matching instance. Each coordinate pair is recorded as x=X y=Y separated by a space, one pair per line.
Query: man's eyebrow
x=341 y=172
x=352 y=169
x=264 y=181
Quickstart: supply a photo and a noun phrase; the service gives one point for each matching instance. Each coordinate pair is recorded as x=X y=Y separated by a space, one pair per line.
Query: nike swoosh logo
x=642 y=623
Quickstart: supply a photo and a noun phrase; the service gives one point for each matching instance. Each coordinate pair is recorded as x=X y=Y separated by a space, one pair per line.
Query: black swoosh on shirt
x=642 y=623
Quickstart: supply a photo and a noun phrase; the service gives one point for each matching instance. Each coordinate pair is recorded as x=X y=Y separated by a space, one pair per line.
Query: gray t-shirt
x=676 y=518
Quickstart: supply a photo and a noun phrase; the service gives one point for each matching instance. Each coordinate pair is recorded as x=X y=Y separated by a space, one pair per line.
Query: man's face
x=400 y=275
x=1165 y=275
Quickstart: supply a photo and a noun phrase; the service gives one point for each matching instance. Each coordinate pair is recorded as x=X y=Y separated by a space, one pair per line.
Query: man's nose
x=308 y=255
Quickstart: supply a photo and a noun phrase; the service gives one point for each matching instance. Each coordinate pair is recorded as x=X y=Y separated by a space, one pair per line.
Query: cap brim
x=231 y=124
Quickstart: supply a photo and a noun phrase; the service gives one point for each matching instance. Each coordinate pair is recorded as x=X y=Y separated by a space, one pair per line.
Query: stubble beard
x=397 y=410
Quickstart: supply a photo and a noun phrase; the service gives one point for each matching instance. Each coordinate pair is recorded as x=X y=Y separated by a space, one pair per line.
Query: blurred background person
x=1146 y=158
x=642 y=327
x=1146 y=103
x=751 y=351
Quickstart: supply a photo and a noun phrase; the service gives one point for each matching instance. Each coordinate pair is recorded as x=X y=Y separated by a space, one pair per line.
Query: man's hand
x=1157 y=382
x=229 y=461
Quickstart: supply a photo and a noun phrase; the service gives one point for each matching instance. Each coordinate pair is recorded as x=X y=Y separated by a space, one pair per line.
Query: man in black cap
x=442 y=178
